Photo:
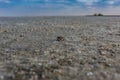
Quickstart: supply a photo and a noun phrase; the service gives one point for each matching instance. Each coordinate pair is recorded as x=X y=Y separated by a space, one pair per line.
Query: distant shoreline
x=103 y=16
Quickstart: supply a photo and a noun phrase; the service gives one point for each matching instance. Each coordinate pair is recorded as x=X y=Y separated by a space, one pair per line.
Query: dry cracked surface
x=89 y=48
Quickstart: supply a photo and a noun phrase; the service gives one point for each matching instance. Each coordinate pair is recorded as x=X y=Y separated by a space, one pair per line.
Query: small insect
x=60 y=38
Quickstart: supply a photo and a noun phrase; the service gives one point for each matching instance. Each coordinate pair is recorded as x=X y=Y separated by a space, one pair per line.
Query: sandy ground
x=29 y=49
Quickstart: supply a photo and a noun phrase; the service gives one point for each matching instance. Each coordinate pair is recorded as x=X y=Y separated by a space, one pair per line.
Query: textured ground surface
x=90 y=51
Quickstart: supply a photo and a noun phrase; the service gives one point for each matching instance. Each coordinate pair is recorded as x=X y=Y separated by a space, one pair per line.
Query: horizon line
x=59 y=15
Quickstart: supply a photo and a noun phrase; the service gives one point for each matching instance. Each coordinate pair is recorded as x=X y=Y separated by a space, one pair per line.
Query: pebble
x=1 y=77
x=40 y=64
x=103 y=53
x=90 y=74
x=20 y=35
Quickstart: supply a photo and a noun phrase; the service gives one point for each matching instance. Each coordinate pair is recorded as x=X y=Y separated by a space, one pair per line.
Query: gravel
x=88 y=48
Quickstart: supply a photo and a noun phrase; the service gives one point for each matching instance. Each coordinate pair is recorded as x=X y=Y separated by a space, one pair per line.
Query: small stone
x=60 y=72
x=89 y=73
x=16 y=39
x=5 y=30
x=40 y=64
x=21 y=36
x=103 y=53
x=79 y=51
x=1 y=77
x=37 y=50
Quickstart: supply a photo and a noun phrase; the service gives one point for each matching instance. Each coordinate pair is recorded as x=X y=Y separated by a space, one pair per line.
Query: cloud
x=49 y=1
x=111 y=1
x=5 y=1
x=92 y=2
x=88 y=2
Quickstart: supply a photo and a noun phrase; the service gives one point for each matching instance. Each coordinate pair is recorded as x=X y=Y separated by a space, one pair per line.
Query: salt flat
x=29 y=49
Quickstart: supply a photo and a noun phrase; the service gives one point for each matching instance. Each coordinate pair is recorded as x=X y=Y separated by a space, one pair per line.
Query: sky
x=58 y=7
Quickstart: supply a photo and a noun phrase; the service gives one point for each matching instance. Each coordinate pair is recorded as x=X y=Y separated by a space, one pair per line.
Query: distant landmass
x=103 y=15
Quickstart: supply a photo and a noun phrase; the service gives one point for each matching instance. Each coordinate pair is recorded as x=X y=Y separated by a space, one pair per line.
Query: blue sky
x=58 y=7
